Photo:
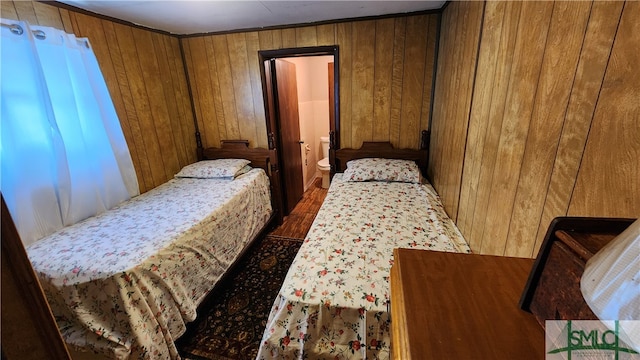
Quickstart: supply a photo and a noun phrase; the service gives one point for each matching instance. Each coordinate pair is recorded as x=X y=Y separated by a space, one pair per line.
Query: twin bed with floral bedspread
x=124 y=283
x=334 y=301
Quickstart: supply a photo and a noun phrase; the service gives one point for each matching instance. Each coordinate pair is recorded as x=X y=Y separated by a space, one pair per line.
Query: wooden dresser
x=464 y=306
x=461 y=306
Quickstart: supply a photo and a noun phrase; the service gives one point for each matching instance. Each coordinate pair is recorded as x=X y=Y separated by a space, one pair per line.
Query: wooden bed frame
x=381 y=149
x=47 y=339
x=259 y=157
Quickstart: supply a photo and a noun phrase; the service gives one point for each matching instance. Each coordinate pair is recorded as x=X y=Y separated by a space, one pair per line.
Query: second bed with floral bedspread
x=123 y=284
x=334 y=301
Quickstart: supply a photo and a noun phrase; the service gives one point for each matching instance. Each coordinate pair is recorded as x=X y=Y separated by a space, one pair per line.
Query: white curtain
x=63 y=154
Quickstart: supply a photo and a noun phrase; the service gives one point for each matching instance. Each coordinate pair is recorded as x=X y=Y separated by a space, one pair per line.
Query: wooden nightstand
x=553 y=289
x=461 y=306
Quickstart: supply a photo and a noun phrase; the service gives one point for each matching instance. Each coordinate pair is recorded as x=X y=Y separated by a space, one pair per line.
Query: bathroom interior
x=312 y=77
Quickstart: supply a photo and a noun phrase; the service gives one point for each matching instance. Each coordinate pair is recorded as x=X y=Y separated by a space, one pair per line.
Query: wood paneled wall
x=538 y=117
x=145 y=76
x=386 y=72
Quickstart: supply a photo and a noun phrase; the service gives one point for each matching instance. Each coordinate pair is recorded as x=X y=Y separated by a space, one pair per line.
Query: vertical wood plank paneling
x=607 y=183
x=413 y=81
x=601 y=30
x=444 y=87
x=529 y=51
x=157 y=101
x=215 y=126
x=400 y=25
x=201 y=85
x=508 y=37
x=480 y=111
x=111 y=65
x=259 y=119
x=326 y=34
x=346 y=53
x=223 y=67
x=266 y=40
x=538 y=84
x=183 y=99
x=447 y=155
x=562 y=50
x=191 y=75
x=128 y=117
x=94 y=29
x=429 y=71
x=376 y=99
x=237 y=45
x=362 y=83
x=452 y=111
x=288 y=38
x=8 y=10
x=66 y=20
x=306 y=36
x=48 y=15
x=169 y=89
x=382 y=78
x=140 y=97
x=277 y=39
x=25 y=11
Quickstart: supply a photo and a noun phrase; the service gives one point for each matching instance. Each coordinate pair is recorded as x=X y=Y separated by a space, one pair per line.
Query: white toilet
x=323 y=165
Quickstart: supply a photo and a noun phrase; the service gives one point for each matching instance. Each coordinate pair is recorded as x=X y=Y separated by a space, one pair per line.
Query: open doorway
x=296 y=120
x=312 y=75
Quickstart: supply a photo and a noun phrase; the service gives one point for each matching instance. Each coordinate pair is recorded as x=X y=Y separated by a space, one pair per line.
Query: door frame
x=334 y=126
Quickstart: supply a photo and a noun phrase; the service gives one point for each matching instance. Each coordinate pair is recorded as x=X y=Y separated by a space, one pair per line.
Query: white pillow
x=378 y=169
x=214 y=169
x=610 y=283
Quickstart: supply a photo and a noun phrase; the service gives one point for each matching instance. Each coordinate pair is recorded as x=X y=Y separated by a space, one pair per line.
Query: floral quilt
x=125 y=283
x=334 y=301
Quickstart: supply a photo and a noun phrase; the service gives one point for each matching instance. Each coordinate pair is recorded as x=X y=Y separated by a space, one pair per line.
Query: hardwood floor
x=297 y=223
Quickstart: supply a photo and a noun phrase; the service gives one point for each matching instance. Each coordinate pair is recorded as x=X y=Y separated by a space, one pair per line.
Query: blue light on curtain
x=64 y=156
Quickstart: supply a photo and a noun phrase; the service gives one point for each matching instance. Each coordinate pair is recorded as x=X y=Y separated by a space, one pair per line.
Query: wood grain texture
x=237 y=45
x=225 y=78
x=484 y=85
x=299 y=220
x=461 y=329
x=452 y=98
x=601 y=30
x=413 y=80
x=382 y=79
x=548 y=135
x=562 y=50
x=529 y=51
x=343 y=37
x=8 y=10
x=326 y=34
x=362 y=82
x=607 y=183
x=399 y=40
x=26 y=11
x=382 y=96
x=494 y=124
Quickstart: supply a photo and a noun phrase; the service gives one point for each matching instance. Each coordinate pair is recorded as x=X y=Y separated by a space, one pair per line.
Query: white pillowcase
x=214 y=169
x=379 y=169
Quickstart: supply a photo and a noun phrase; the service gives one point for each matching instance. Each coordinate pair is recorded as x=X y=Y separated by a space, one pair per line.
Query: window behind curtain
x=63 y=154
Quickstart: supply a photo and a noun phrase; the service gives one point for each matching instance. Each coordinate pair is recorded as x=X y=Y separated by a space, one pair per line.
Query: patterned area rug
x=231 y=321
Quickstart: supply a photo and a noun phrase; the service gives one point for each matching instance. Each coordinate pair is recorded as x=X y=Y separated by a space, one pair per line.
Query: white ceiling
x=203 y=16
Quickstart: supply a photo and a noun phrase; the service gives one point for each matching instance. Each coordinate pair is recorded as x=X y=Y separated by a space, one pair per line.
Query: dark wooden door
x=285 y=99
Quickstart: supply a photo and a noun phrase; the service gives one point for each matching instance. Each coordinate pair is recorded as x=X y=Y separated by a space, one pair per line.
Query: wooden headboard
x=259 y=157
x=384 y=149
